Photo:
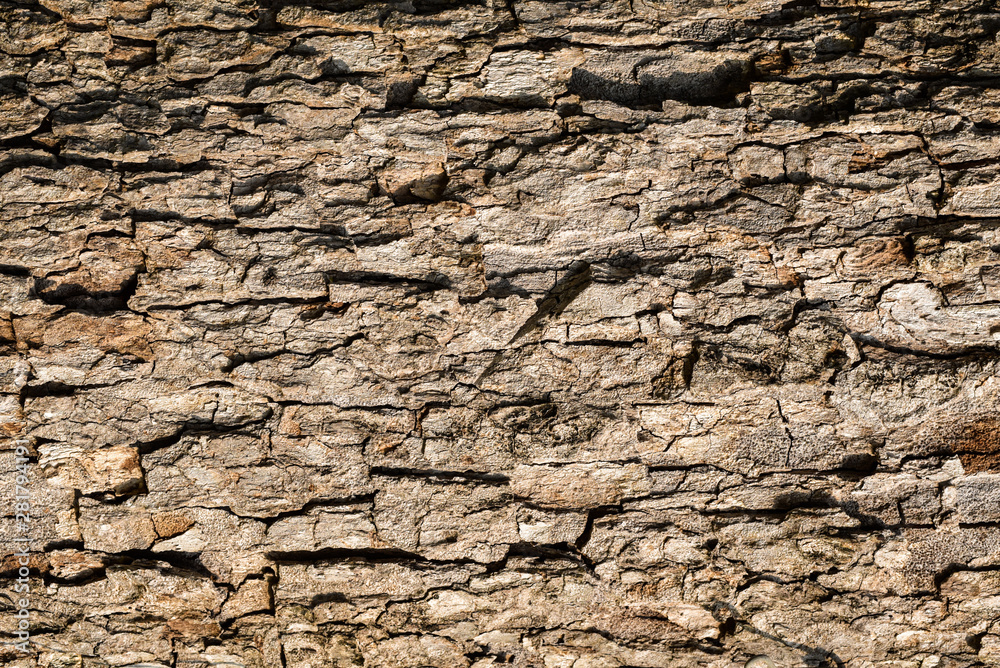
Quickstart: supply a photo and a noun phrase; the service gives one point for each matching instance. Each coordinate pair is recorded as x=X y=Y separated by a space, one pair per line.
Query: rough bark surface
x=590 y=334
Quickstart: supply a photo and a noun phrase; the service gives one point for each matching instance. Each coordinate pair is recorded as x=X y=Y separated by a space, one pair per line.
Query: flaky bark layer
x=561 y=334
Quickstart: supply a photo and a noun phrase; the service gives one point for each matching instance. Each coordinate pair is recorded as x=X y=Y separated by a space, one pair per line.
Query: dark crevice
x=440 y=475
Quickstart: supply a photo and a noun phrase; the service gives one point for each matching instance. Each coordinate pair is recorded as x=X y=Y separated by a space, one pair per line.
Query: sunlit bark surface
x=555 y=334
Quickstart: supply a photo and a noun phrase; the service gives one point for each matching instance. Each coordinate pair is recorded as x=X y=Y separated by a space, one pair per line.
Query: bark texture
x=562 y=334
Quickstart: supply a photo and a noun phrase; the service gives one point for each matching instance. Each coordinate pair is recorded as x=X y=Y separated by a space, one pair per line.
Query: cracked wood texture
x=557 y=334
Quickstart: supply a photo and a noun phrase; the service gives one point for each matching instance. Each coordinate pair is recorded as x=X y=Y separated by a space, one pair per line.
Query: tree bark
x=590 y=334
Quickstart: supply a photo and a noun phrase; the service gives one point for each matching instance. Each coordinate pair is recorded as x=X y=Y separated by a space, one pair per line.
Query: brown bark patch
x=978 y=445
x=190 y=628
x=168 y=525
